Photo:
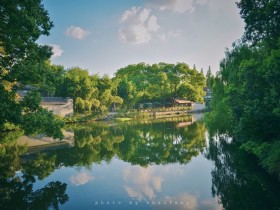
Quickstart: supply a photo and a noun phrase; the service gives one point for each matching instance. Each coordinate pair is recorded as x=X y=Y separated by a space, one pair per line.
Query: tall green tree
x=249 y=78
x=262 y=20
x=22 y=60
x=209 y=78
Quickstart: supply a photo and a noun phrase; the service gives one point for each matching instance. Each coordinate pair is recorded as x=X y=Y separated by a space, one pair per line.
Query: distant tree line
x=138 y=83
x=159 y=82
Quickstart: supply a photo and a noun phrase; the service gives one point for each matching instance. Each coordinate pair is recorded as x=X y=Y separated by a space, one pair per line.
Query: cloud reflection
x=81 y=179
x=186 y=201
x=142 y=183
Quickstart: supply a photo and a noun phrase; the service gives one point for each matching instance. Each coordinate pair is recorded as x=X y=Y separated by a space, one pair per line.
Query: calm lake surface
x=159 y=164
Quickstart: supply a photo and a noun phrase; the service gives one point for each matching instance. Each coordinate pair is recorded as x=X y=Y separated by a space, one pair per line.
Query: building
x=207 y=98
x=58 y=105
x=182 y=103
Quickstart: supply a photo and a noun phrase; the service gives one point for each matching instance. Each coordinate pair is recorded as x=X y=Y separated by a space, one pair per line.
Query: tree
x=52 y=85
x=22 y=60
x=80 y=86
x=209 y=78
x=127 y=91
x=262 y=20
x=142 y=83
x=249 y=78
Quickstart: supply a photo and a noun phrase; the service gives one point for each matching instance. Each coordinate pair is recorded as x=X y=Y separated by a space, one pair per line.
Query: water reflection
x=237 y=180
x=160 y=165
x=16 y=188
x=140 y=144
x=81 y=179
x=142 y=183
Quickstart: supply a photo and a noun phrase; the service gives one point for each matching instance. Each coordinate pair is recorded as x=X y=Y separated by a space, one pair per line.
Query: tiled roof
x=54 y=100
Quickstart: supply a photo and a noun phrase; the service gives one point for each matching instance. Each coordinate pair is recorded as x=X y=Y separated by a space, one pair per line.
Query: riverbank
x=40 y=143
x=134 y=114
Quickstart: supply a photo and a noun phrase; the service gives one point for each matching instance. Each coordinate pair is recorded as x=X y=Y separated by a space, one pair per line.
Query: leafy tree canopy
x=159 y=82
x=247 y=90
x=23 y=61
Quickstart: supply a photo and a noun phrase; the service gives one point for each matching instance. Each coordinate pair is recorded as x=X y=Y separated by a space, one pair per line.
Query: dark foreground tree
x=23 y=62
x=247 y=88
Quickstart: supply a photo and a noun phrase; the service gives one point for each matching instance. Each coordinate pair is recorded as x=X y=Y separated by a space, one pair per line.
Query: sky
x=103 y=36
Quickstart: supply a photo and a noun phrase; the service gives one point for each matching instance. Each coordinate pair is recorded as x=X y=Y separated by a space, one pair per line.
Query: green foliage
x=236 y=174
x=262 y=21
x=91 y=93
x=9 y=158
x=137 y=143
x=268 y=154
x=159 y=82
x=23 y=62
x=250 y=95
x=10 y=136
x=52 y=82
x=31 y=102
x=209 y=78
x=22 y=23
x=42 y=121
x=249 y=77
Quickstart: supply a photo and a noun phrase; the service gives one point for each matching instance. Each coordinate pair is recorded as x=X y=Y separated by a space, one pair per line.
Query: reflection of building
x=185 y=123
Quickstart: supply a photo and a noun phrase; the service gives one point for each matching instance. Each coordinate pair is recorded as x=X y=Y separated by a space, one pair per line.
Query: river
x=150 y=164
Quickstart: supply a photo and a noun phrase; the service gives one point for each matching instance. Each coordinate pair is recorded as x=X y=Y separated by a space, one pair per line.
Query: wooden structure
x=183 y=103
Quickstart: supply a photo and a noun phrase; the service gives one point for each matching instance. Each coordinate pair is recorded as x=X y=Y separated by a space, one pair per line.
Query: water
x=161 y=164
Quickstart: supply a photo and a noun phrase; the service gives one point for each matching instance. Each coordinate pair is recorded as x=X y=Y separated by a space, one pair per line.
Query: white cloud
x=152 y=24
x=56 y=50
x=81 y=179
x=169 y=35
x=178 y=6
x=76 y=32
x=128 y=13
x=188 y=201
x=162 y=37
x=142 y=183
x=185 y=201
x=138 y=25
x=144 y=15
x=202 y=1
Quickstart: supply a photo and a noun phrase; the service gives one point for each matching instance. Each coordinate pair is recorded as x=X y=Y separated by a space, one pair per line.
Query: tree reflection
x=17 y=193
x=237 y=180
x=139 y=144
x=162 y=143
x=16 y=188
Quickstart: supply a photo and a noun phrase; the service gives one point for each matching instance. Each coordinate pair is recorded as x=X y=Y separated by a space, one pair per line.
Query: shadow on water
x=16 y=188
x=237 y=179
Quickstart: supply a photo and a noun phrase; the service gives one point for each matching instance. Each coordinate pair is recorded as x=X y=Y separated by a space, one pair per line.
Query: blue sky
x=105 y=35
